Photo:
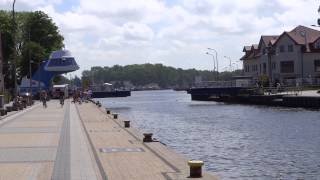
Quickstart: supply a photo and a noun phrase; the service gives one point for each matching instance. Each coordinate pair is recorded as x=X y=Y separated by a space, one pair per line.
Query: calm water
x=235 y=141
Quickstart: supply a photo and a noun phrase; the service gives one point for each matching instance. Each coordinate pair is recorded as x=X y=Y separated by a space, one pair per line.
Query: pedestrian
x=43 y=98
x=61 y=97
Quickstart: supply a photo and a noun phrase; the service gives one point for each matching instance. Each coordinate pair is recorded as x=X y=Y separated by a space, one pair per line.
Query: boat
x=107 y=90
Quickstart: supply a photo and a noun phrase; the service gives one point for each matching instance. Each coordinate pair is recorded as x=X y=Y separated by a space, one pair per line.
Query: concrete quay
x=81 y=142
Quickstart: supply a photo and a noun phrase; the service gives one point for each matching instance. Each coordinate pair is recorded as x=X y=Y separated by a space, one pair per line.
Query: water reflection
x=235 y=141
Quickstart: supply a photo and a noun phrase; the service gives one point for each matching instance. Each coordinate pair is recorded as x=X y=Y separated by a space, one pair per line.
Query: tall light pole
x=303 y=33
x=15 y=93
x=270 y=52
x=216 y=60
x=227 y=57
x=30 y=69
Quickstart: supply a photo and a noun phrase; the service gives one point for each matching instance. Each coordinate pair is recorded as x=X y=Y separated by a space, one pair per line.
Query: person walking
x=61 y=97
x=43 y=98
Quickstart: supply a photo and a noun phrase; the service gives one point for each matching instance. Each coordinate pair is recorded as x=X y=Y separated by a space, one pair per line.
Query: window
x=254 y=68
x=317 y=65
x=287 y=67
x=290 y=48
x=263 y=51
x=260 y=68
x=317 y=45
x=281 y=48
x=274 y=66
x=264 y=68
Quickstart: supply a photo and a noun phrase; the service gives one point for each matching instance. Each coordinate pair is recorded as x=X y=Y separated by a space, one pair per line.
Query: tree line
x=143 y=74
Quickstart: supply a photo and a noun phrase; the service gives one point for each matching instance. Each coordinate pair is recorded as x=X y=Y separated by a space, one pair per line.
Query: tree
x=40 y=36
x=143 y=74
x=36 y=36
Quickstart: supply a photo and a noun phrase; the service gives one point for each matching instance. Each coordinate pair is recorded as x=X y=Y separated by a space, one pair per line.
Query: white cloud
x=108 y=32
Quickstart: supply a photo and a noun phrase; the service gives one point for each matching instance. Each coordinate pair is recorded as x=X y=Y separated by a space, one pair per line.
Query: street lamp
x=236 y=65
x=216 y=60
x=270 y=52
x=227 y=57
x=304 y=34
x=15 y=93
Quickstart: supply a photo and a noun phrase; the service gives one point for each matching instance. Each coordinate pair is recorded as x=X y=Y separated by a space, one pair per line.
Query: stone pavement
x=81 y=142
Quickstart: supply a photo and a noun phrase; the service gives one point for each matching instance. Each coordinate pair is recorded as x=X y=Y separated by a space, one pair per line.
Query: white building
x=290 y=58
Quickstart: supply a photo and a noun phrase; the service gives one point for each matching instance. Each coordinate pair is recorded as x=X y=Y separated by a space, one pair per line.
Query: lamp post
x=236 y=65
x=303 y=33
x=30 y=70
x=270 y=53
x=15 y=93
x=216 y=60
x=227 y=57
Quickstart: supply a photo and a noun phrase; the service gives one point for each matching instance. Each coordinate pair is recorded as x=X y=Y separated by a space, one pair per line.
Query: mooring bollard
x=195 y=168
x=108 y=111
x=115 y=116
x=3 y=112
x=126 y=124
x=9 y=108
x=147 y=137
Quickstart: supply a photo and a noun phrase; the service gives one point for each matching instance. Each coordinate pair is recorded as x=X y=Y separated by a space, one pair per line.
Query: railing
x=279 y=90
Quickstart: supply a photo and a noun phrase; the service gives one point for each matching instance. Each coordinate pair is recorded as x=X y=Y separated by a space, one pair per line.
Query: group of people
x=77 y=95
x=44 y=98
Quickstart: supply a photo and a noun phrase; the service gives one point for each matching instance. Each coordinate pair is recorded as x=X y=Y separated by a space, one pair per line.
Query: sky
x=172 y=32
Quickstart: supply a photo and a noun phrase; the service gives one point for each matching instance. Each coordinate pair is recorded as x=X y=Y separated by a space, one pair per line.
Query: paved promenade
x=81 y=142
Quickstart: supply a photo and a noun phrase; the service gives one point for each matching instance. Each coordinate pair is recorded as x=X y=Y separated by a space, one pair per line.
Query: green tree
x=36 y=36
x=143 y=74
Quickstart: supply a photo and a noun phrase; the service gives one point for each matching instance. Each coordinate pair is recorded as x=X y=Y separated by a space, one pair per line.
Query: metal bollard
x=195 y=168
x=126 y=124
x=147 y=137
x=115 y=116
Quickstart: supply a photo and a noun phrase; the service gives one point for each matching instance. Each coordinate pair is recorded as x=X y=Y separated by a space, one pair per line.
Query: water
x=235 y=141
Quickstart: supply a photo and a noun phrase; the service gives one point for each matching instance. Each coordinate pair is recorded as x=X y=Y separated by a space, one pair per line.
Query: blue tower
x=59 y=62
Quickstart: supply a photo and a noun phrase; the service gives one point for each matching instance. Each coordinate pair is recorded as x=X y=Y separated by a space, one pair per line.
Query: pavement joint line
x=61 y=169
x=177 y=170
x=95 y=153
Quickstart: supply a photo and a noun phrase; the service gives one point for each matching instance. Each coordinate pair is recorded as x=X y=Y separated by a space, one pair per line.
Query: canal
x=235 y=141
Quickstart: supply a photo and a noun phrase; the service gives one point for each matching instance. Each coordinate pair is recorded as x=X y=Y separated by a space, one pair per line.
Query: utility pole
x=1 y=67
x=15 y=93
x=30 y=73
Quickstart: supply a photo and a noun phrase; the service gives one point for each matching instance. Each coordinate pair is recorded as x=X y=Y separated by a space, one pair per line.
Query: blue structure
x=60 y=62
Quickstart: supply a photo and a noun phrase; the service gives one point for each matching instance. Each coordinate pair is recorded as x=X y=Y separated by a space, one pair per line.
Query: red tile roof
x=299 y=35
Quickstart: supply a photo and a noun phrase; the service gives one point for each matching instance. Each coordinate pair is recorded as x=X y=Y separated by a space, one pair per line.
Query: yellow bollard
x=195 y=168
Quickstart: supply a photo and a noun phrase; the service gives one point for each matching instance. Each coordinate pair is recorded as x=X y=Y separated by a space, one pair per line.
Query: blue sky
x=173 y=32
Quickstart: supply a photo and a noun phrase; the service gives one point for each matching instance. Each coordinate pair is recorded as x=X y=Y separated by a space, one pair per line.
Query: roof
x=297 y=34
x=255 y=46
x=246 y=48
x=268 y=38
